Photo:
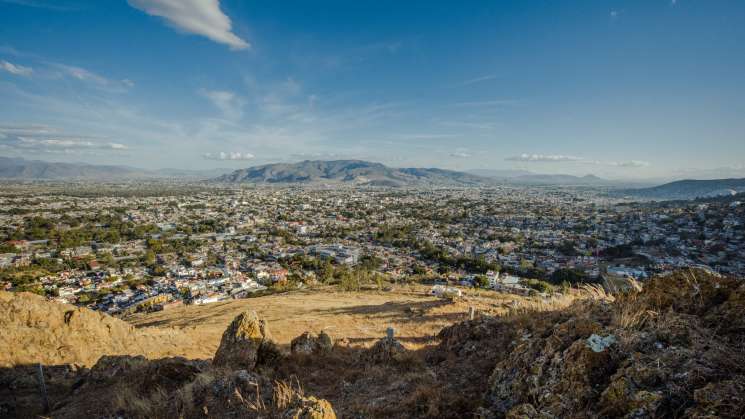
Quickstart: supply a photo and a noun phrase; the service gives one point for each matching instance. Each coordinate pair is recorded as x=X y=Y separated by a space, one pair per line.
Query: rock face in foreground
x=245 y=343
x=673 y=350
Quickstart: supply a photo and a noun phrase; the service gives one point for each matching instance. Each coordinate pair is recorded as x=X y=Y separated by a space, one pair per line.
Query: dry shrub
x=284 y=395
x=554 y=303
x=631 y=313
x=596 y=292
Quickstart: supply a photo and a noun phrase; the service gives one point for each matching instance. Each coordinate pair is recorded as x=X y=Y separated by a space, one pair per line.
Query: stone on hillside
x=310 y=408
x=385 y=350
x=243 y=342
x=308 y=343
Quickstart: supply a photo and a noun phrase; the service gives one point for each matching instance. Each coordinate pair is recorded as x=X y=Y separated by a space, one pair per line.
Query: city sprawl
x=124 y=248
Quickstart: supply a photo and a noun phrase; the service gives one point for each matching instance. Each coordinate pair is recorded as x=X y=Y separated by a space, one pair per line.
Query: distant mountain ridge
x=688 y=189
x=355 y=172
x=22 y=169
x=528 y=178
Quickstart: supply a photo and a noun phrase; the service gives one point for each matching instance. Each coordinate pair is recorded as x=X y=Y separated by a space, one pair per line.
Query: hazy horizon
x=618 y=89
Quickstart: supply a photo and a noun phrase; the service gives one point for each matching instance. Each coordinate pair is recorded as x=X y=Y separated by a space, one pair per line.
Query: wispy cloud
x=543 y=158
x=560 y=158
x=80 y=74
x=200 y=17
x=15 y=69
x=475 y=80
x=230 y=104
x=231 y=155
x=461 y=153
x=630 y=163
x=56 y=5
x=41 y=138
x=487 y=103
x=422 y=136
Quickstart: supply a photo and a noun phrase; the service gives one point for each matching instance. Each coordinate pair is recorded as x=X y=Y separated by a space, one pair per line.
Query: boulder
x=385 y=350
x=308 y=343
x=309 y=408
x=245 y=342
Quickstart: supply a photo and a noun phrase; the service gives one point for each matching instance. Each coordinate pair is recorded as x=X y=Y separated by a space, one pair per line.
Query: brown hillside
x=35 y=330
x=674 y=349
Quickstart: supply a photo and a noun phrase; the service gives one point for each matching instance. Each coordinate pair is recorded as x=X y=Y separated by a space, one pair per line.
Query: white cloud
x=232 y=155
x=630 y=163
x=15 y=69
x=461 y=153
x=543 y=158
x=230 y=104
x=201 y=17
x=39 y=138
x=87 y=76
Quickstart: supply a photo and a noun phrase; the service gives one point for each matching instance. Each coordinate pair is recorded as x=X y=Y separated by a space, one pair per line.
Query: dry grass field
x=360 y=318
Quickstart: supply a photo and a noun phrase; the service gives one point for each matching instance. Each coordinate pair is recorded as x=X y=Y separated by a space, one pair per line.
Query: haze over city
x=619 y=89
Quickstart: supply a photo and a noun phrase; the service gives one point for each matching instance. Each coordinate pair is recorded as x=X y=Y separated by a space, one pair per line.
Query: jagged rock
x=245 y=343
x=385 y=350
x=308 y=343
x=310 y=408
x=671 y=349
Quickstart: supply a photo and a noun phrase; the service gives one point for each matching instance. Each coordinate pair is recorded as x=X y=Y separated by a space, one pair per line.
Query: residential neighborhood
x=192 y=245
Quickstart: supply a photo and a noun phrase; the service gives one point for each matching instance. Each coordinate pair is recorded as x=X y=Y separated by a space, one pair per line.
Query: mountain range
x=688 y=189
x=354 y=172
x=364 y=173
x=22 y=169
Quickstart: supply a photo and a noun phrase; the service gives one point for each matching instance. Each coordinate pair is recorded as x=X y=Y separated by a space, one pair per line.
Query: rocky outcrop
x=385 y=350
x=673 y=349
x=246 y=343
x=308 y=343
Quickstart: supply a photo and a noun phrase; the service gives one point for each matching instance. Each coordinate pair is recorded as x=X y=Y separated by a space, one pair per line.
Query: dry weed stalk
x=285 y=395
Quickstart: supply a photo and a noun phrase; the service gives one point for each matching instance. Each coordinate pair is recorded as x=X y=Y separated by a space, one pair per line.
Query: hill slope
x=689 y=189
x=36 y=330
x=673 y=349
x=356 y=172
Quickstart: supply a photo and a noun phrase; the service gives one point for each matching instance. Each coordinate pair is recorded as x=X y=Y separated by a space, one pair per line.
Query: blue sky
x=622 y=89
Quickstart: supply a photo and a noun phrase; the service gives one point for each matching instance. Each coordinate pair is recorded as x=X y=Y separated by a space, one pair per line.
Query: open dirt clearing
x=360 y=317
